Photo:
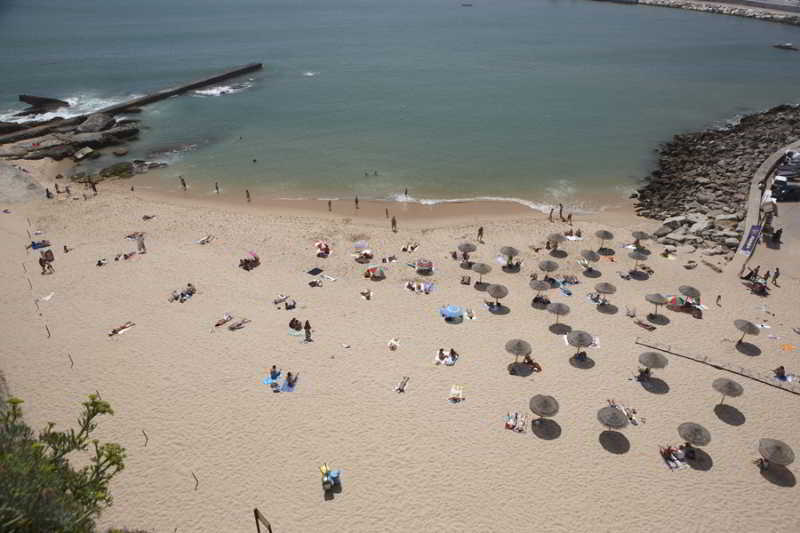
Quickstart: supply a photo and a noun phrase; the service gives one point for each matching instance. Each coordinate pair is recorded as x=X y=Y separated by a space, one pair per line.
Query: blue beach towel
x=269 y=381
x=565 y=291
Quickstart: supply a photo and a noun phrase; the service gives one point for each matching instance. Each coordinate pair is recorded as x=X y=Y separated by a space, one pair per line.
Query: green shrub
x=39 y=489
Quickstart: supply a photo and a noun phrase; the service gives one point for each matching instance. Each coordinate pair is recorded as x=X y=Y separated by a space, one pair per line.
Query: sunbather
x=394 y=344
x=644 y=375
x=295 y=324
x=205 y=240
x=401 y=387
x=466 y=280
x=224 y=320
x=456 y=394
x=239 y=324
x=121 y=329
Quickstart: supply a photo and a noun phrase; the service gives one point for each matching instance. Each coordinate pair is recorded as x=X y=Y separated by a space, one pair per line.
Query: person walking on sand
x=247 y=194
x=183 y=183
x=480 y=234
x=766 y=277
x=394 y=224
x=406 y=193
x=569 y=219
x=216 y=187
x=775 y=276
x=48 y=194
x=387 y=212
x=719 y=300
x=561 y=212
x=329 y=206
x=356 y=201
x=307 y=328
x=550 y=216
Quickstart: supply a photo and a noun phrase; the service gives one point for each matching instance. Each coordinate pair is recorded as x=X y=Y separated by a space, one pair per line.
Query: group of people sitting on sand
x=227 y=317
x=249 y=263
x=288 y=303
x=597 y=298
x=516 y=422
x=182 y=295
x=274 y=380
x=419 y=287
x=527 y=361
x=410 y=247
x=677 y=456
x=446 y=358
x=631 y=414
x=364 y=256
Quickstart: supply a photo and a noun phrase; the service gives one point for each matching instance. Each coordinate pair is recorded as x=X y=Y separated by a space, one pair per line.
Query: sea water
x=537 y=100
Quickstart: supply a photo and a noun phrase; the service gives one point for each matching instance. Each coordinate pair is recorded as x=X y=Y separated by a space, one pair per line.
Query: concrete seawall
x=162 y=94
x=783 y=14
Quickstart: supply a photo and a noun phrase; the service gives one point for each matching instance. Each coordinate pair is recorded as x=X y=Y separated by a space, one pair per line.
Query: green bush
x=39 y=489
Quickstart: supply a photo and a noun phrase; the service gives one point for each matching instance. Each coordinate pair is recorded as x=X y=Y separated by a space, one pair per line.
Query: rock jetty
x=700 y=187
x=760 y=13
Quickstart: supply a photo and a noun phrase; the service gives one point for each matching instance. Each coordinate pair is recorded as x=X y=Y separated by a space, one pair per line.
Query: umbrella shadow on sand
x=702 y=461
x=560 y=328
x=538 y=305
x=592 y=273
x=520 y=369
x=614 y=442
x=748 y=348
x=655 y=386
x=558 y=254
x=639 y=275
x=606 y=251
x=729 y=414
x=608 y=309
x=658 y=319
x=584 y=363
x=499 y=309
x=546 y=429
x=481 y=286
x=779 y=475
x=454 y=321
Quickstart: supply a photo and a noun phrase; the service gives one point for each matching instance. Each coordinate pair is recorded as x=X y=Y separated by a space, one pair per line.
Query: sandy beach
x=410 y=461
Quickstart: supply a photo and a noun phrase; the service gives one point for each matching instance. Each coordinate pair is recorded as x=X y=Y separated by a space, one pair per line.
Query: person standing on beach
x=93 y=185
x=183 y=183
x=140 y=244
x=550 y=216
x=387 y=212
x=569 y=219
x=480 y=234
x=356 y=201
x=406 y=193
x=247 y=194
x=766 y=277
x=48 y=194
x=329 y=206
x=394 y=224
x=775 y=276
x=307 y=328
x=216 y=187
x=719 y=300
x=561 y=212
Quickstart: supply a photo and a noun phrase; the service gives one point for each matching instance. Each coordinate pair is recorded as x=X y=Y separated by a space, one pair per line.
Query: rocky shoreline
x=724 y=9
x=700 y=187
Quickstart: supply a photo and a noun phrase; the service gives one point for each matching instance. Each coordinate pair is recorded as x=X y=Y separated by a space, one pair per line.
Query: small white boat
x=785 y=46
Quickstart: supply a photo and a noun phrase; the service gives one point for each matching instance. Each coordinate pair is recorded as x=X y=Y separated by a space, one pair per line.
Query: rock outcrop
x=96 y=122
x=700 y=187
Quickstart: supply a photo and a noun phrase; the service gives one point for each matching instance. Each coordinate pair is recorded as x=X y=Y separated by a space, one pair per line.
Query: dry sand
x=413 y=461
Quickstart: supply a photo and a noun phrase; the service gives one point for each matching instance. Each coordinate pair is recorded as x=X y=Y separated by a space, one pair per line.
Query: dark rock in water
x=133 y=110
x=40 y=104
x=118 y=170
x=120 y=152
x=96 y=122
x=10 y=127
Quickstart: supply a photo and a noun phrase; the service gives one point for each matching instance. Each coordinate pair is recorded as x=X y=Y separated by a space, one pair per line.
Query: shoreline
x=735 y=9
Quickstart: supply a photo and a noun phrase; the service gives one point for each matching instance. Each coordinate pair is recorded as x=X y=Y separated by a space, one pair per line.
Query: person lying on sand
x=393 y=344
x=401 y=387
x=239 y=324
x=366 y=294
x=121 y=329
x=227 y=317
x=205 y=240
x=148 y=217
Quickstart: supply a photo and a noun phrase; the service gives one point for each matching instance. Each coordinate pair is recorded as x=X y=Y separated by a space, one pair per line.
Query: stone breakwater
x=723 y=9
x=701 y=185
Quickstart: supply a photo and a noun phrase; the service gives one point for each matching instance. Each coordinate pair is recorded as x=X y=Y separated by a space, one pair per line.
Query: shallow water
x=538 y=100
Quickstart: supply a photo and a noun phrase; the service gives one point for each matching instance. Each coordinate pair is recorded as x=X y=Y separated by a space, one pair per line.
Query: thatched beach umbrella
x=603 y=235
x=639 y=236
x=518 y=348
x=656 y=299
x=555 y=239
x=481 y=269
x=590 y=255
x=509 y=251
x=689 y=292
x=605 y=288
x=776 y=451
x=467 y=247
x=497 y=292
x=548 y=266
x=544 y=406
x=540 y=285
x=579 y=339
x=653 y=360
x=612 y=417
x=746 y=327
x=694 y=434
x=637 y=256
x=727 y=387
x=558 y=309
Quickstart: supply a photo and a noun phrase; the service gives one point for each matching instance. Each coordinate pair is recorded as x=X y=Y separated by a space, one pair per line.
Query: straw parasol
x=637 y=256
x=653 y=360
x=481 y=269
x=555 y=239
x=579 y=339
x=694 y=434
x=746 y=327
x=558 y=309
x=467 y=247
x=689 y=292
x=497 y=292
x=548 y=266
x=656 y=299
x=603 y=235
x=544 y=406
x=612 y=417
x=518 y=348
x=776 y=451
x=727 y=387
x=509 y=251
x=540 y=285
x=590 y=255
x=605 y=288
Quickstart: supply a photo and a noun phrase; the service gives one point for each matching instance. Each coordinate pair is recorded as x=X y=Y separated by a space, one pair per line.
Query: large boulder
x=118 y=170
x=96 y=122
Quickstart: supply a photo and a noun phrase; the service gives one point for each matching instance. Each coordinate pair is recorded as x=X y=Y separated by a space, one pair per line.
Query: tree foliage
x=39 y=489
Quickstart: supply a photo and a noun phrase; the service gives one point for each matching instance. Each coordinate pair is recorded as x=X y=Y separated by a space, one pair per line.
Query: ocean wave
x=221 y=90
x=536 y=206
x=310 y=73
x=81 y=104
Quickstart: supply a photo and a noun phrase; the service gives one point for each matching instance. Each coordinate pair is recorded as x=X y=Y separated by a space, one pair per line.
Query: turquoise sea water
x=542 y=100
